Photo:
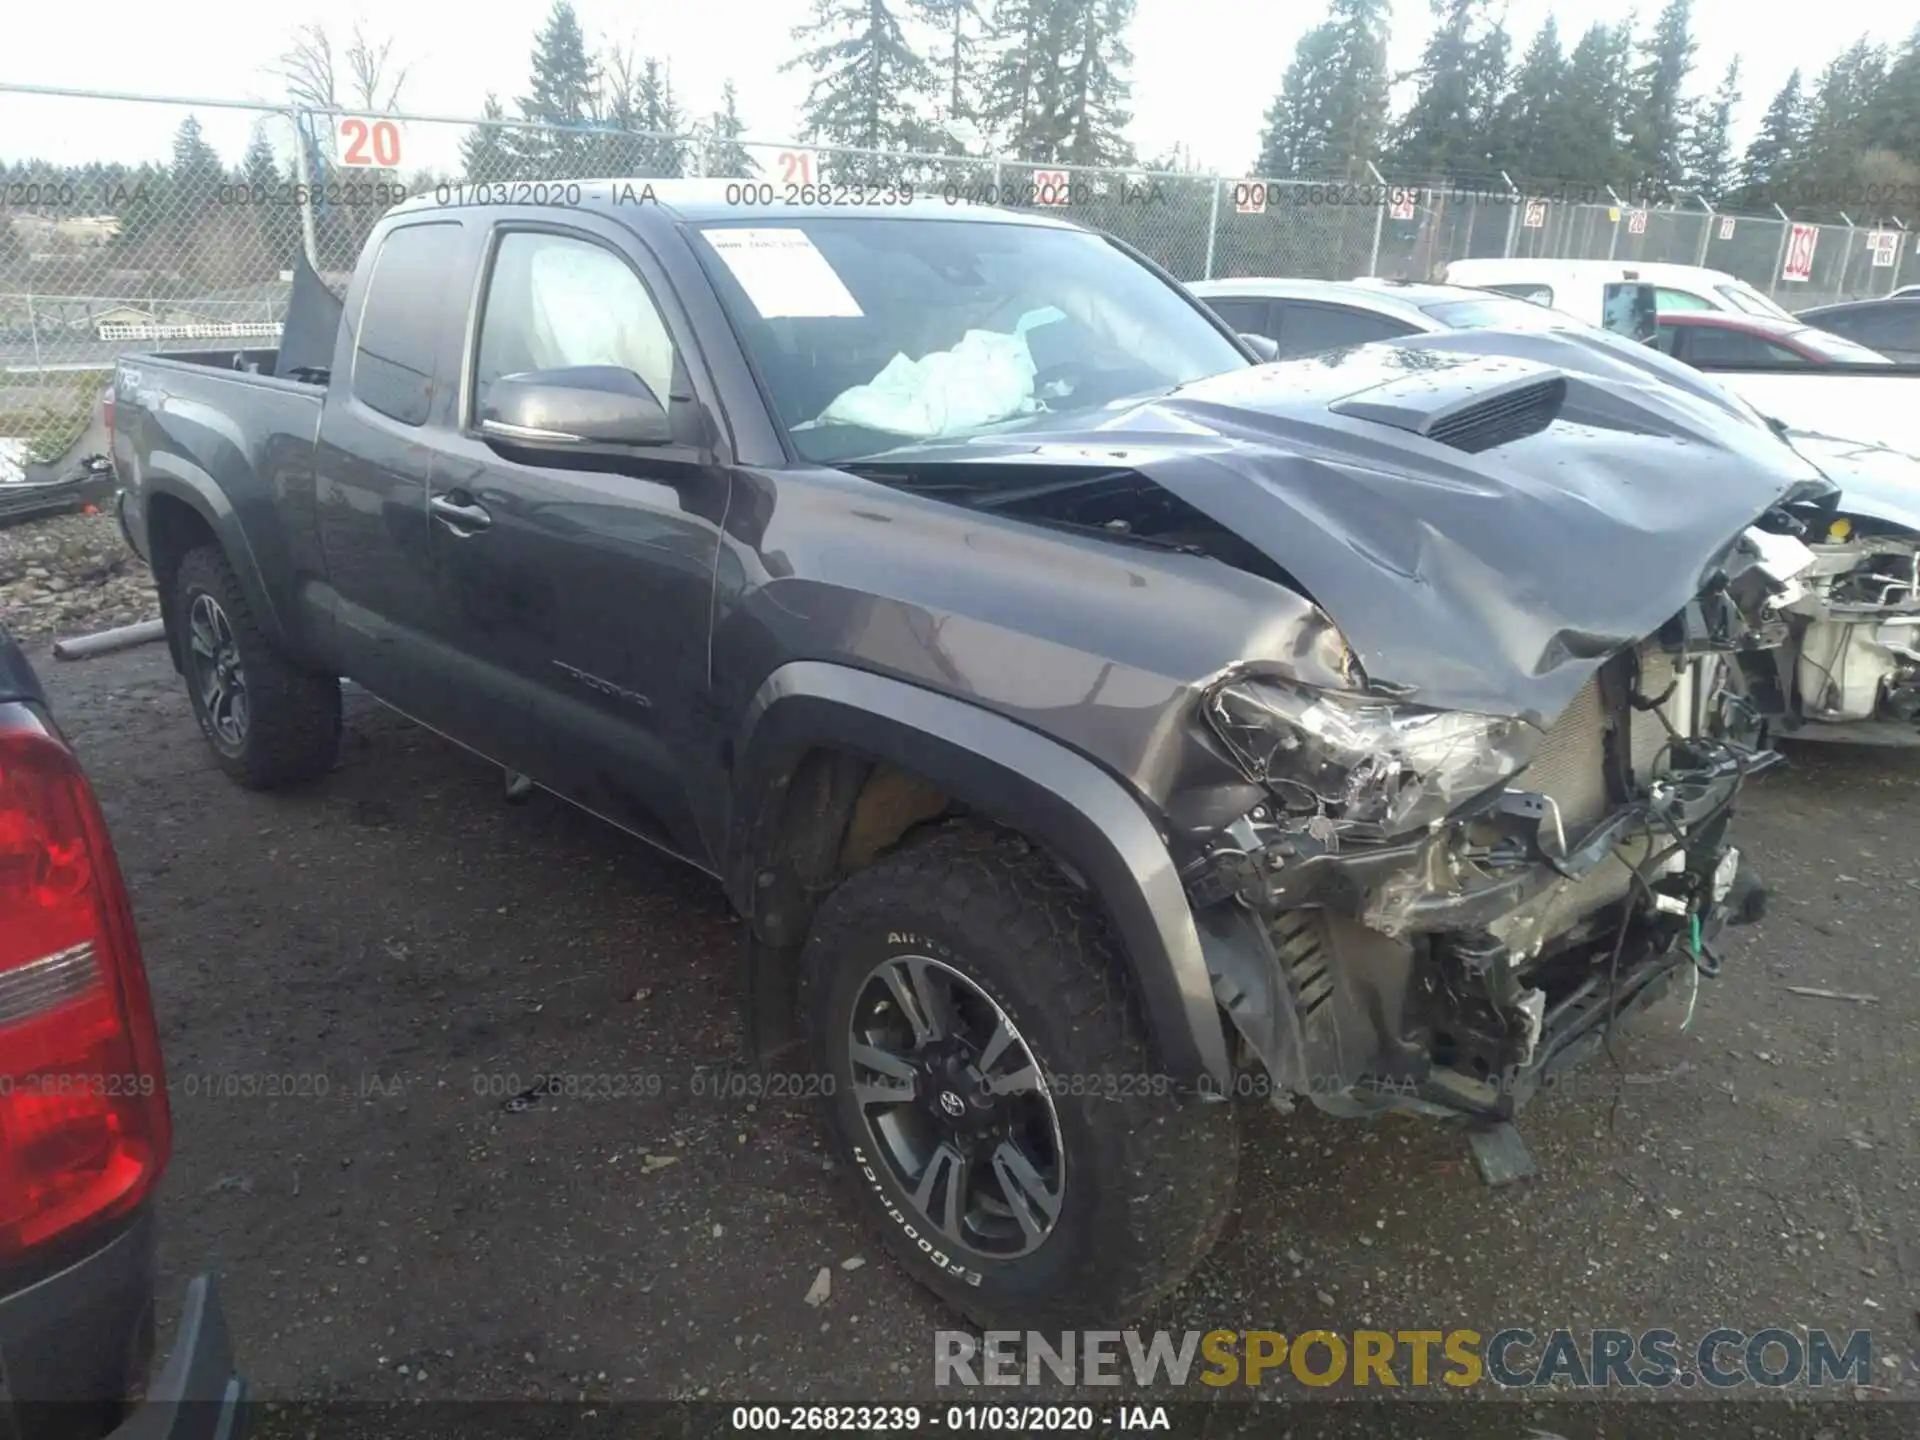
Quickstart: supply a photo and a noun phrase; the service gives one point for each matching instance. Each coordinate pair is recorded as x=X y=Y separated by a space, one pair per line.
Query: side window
x=1629 y=309
x=1894 y=327
x=1714 y=345
x=1667 y=301
x=393 y=357
x=1246 y=315
x=1671 y=338
x=1311 y=329
x=556 y=301
x=1538 y=294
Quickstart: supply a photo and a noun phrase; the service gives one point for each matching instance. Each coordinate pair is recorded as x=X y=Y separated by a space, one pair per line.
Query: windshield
x=1508 y=314
x=1743 y=296
x=1837 y=347
x=870 y=332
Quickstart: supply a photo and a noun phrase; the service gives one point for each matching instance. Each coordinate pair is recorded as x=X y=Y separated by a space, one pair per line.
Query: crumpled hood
x=1495 y=582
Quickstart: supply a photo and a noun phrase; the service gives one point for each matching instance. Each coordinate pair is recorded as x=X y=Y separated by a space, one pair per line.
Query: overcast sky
x=1204 y=71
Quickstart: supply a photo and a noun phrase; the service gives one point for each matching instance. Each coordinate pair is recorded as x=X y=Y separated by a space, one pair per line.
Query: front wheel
x=993 y=1093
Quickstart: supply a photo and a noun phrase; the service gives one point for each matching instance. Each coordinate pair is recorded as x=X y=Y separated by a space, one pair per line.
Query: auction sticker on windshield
x=783 y=272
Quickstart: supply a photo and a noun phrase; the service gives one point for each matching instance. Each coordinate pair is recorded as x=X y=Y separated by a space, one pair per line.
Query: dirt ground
x=406 y=953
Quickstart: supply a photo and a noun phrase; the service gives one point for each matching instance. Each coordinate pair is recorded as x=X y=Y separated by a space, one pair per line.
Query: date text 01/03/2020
x=954 y=1419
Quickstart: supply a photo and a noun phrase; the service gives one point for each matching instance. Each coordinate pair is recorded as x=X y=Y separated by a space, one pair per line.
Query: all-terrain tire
x=292 y=724
x=1148 y=1175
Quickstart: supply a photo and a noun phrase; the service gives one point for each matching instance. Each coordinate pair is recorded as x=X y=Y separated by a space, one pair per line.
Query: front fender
x=1017 y=777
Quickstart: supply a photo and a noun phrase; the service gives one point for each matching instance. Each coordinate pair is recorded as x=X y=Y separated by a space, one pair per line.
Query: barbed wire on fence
x=107 y=255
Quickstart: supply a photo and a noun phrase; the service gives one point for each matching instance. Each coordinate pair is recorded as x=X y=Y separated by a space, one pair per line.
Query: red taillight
x=84 y=1125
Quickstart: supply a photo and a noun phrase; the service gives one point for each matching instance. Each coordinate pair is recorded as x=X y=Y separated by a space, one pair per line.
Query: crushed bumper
x=1401 y=977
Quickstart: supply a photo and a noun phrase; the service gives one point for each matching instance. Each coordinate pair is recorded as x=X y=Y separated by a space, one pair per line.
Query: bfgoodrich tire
x=939 y=989
x=269 y=722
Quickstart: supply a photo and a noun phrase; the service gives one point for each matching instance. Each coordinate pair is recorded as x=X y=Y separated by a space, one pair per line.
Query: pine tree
x=1329 y=116
x=1019 y=97
x=1592 y=105
x=870 y=88
x=276 y=223
x=1093 y=86
x=664 y=154
x=1706 y=155
x=1293 y=139
x=1892 y=121
x=562 y=91
x=1529 y=139
x=1775 y=153
x=195 y=171
x=1837 y=128
x=1437 y=138
x=959 y=60
x=725 y=156
x=1656 y=115
x=486 y=151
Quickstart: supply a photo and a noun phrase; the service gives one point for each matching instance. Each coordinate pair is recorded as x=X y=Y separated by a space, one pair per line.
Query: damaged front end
x=1856 y=665
x=1443 y=911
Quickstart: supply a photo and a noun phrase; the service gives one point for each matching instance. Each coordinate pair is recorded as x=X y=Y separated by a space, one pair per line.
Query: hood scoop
x=1471 y=407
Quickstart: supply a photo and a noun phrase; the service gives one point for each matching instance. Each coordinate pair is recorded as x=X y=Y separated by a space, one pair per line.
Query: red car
x=1720 y=337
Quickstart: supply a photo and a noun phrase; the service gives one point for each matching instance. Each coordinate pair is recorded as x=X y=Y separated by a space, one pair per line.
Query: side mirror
x=583 y=407
x=1265 y=346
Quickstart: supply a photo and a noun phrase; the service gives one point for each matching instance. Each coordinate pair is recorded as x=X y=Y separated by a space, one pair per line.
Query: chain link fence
x=101 y=255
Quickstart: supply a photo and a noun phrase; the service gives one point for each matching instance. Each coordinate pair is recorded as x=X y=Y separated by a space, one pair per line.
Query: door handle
x=460 y=516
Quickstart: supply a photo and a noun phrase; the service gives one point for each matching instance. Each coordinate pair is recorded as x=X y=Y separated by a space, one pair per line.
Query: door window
x=1312 y=329
x=1666 y=301
x=557 y=301
x=1713 y=344
x=393 y=365
x=1244 y=315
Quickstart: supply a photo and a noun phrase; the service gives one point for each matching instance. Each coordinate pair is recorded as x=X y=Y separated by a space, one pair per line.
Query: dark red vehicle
x=1723 y=338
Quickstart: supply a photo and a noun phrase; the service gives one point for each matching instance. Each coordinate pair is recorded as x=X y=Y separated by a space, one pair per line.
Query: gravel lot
x=403 y=939
x=71 y=574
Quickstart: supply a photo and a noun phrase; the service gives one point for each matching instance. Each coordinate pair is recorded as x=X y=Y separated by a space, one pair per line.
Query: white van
x=1586 y=287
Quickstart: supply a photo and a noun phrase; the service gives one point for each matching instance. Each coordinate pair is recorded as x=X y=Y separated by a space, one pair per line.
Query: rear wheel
x=993 y=1092
x=270 y=723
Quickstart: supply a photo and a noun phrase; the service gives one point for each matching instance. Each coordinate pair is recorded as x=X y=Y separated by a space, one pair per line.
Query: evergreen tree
x=1892 y=121
x=665 y=155
x=1776 y=152
x=1329 y=116
x=1706 y=155
x=1530 y=137
x=195 y=171
x=1093 y=85
x=1019 y=98
x=1656 y=114
x=870 y=88
x=725 y=156
x=276 y=222
x=562 y=91
x=959 y=60
x=1592 y=106
x=1439 y=136
x=1837 y=129
x=486 y=151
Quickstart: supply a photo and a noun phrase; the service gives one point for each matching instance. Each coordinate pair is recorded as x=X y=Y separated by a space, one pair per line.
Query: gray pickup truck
x=1092 y=724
